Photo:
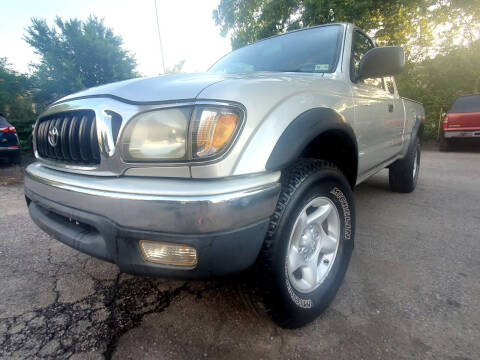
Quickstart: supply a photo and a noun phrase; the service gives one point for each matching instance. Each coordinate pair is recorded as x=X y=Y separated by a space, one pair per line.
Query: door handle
x=390 y=107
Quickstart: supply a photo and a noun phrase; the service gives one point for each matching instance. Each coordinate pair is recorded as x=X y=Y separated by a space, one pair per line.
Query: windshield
x=313 y=50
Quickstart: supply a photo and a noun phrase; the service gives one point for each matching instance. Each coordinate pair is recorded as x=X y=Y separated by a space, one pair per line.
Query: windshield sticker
x=321 y=67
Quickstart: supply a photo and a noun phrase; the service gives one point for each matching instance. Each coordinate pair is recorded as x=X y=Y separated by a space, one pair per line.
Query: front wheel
x=309 y=243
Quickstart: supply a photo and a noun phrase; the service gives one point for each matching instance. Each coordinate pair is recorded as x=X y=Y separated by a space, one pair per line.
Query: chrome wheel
x=313 y=244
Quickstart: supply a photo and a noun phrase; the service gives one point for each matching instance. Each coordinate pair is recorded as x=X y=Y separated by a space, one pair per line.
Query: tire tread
x=261 y=295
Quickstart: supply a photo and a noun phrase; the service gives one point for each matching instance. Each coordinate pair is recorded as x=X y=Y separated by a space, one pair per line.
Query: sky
x=187 y=28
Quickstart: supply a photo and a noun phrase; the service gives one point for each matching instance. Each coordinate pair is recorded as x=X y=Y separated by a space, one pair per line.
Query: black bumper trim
x=218 y=253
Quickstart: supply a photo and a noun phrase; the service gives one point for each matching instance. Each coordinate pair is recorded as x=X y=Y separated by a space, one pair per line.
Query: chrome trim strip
x=160 y=205
x=160 y=188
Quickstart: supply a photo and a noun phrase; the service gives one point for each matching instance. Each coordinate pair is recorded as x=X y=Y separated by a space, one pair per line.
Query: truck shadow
x=465 y=146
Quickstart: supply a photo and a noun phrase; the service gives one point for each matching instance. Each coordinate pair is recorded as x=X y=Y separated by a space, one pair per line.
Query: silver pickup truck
x=249 y=165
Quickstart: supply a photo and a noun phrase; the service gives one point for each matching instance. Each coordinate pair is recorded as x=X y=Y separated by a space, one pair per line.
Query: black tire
x=306 y=180
x=14 y=159
x=402 y=175
x=445 y=144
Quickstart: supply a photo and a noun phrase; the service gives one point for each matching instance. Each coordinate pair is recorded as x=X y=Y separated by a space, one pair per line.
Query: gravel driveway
x=412 y=289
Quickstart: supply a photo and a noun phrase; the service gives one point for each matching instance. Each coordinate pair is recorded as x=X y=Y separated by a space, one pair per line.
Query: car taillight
x=8 y=129
x=445 y=123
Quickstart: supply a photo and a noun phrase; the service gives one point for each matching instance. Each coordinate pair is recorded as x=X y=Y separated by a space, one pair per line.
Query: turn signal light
x=226 y=125
x=168 y=253
x=213 y=130
x=445 y=123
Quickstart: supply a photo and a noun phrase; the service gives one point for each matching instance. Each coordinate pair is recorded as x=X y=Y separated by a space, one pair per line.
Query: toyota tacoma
x=249 y=165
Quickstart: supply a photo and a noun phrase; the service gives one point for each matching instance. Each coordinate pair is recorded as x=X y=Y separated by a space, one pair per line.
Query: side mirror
x=381 y=61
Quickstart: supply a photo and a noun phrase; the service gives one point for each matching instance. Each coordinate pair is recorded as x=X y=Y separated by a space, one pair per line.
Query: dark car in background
x=462 y=121
x=9 y=143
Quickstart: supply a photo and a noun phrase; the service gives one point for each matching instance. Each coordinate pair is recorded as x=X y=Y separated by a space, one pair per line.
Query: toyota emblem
x=53 y=136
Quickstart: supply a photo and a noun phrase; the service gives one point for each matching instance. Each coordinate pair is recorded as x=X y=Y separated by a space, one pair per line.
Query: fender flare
x=301 y=131
x=418 y=127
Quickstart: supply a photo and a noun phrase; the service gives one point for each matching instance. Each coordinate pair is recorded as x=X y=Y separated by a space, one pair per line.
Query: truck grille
x=69 y=137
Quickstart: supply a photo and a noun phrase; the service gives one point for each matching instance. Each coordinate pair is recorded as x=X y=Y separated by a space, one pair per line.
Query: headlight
x=213 y=130
x=161 y=135
x=157 y=135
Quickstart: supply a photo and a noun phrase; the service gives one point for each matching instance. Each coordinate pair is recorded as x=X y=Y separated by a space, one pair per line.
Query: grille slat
x=50 y=150
x=39 y=138
x=42 y=138
x=64 y=139
x=58 y=149
x=84 y=139
x=73 y=140
x=76 y=139
x=94 y=141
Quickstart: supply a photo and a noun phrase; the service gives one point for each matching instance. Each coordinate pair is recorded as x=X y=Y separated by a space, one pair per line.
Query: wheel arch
x=314 y=134
x=418 y=127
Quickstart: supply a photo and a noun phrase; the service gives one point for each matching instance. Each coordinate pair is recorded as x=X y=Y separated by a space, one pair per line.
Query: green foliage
x=16 y=102
x=439 y=81
x=177 y=68
x=76 y=55
x=411 y=23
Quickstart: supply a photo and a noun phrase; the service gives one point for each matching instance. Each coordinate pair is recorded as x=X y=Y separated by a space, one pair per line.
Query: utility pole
x=159 y=35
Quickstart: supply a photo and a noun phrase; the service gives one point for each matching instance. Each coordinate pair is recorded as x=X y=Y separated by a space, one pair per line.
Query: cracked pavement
x=411 y=291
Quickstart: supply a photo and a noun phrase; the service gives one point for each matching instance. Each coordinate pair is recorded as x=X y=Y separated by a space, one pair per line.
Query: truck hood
x=179 y=86
x=153 y=89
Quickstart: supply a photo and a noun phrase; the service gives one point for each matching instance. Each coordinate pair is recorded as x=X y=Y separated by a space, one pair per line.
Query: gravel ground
x=412 y=289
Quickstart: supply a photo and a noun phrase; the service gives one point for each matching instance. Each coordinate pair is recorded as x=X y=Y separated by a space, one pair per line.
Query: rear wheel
x=445 y=144
x=308 y=245
x=403 y=174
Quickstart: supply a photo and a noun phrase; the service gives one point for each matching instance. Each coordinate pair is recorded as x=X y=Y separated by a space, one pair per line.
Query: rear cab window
x=466 y=104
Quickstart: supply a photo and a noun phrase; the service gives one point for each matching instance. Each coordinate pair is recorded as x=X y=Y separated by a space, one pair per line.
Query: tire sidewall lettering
x=339 y=195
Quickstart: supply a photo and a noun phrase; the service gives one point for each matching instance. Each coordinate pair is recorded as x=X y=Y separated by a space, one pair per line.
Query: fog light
x=168 y=253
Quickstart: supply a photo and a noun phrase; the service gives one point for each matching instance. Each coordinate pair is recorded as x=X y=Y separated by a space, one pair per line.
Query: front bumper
x=224 y=220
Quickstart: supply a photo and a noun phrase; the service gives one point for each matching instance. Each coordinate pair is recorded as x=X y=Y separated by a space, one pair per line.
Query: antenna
x=159 y=36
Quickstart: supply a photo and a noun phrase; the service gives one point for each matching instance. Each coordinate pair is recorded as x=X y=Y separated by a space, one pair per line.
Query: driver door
x=375 y=111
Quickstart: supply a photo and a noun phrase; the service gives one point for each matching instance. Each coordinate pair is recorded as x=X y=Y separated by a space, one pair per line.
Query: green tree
x=75 y=55
x=16 y=102
x=412 y=23
x=177 y=68
x=438 y=81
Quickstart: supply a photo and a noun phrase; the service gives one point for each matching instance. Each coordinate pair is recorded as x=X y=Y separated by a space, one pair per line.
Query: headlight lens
x=161 y=135
x=157 y=135
x=213 y=129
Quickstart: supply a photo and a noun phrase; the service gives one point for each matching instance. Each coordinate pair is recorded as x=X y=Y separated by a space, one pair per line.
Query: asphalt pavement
x=412 y=289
